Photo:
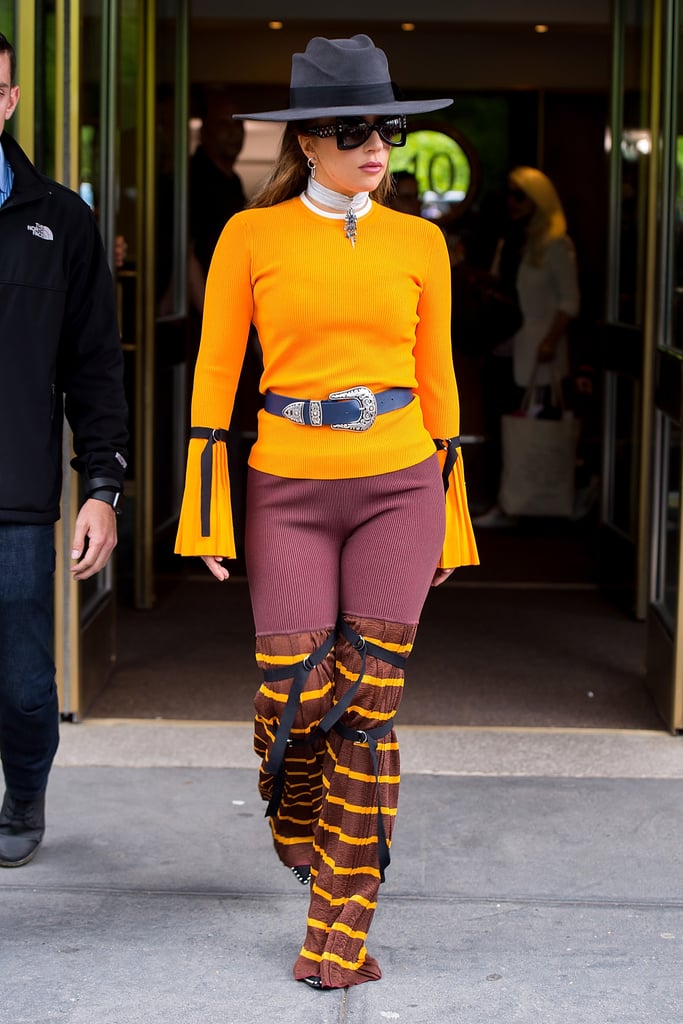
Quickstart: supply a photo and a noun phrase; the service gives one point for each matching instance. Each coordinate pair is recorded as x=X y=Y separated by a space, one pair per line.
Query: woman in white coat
x=547 y=290
x=547 y=285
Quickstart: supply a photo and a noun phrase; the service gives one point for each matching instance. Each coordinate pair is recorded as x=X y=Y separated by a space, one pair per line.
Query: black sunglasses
x=354 y=132
x=517 y=194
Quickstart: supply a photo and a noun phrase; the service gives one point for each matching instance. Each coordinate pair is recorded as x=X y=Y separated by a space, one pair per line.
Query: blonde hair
x=289 y=176
x=548 y=221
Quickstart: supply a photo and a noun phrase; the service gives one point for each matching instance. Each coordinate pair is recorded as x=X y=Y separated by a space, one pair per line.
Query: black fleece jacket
x=60 y=348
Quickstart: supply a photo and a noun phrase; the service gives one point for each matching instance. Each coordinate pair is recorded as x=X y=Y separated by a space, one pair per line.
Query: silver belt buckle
x=295 y=412
x=367 y=404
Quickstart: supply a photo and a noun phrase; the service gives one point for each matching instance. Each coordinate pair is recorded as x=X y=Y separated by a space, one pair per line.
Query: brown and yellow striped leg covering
x=345 y=869
x=293 y=821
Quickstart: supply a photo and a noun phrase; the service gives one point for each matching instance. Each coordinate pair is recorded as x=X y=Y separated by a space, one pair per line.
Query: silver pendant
x=350 y=226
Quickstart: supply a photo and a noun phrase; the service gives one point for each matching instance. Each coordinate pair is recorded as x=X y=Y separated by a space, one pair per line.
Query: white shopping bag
x=539 y=465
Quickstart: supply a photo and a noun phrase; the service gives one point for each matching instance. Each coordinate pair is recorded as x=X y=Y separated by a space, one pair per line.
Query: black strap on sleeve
x=450 y=446
x=206 y=470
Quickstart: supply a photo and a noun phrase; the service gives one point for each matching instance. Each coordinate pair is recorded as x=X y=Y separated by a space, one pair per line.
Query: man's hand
x=94 y=538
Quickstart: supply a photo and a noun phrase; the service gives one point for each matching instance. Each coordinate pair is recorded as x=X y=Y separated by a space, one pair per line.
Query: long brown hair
x=290 y=173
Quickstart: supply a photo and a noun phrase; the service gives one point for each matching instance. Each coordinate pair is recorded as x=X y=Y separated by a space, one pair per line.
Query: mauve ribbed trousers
x=366 y=546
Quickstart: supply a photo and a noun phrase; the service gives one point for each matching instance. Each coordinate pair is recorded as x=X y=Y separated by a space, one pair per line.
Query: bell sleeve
x=460 y=547
x=206 y=526
x=438 y=393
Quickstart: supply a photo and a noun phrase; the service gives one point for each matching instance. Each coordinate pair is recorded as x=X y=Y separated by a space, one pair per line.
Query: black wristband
x=105 y=494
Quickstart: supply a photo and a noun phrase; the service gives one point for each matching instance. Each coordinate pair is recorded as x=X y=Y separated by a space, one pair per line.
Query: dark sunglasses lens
x=353 y=133
x=393 y=131
x=516 y=194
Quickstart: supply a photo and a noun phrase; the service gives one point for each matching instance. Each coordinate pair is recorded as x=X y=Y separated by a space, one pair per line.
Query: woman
x=346 y=521
x=547 y=285
x=538 y=255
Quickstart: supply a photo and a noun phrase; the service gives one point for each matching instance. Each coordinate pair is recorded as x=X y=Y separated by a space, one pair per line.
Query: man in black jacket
x=60 y=353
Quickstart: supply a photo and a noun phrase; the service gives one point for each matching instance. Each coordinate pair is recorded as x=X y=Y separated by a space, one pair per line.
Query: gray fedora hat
x=342 y=77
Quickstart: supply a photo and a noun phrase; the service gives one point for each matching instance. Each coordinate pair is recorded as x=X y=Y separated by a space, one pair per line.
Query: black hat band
x=340 y=95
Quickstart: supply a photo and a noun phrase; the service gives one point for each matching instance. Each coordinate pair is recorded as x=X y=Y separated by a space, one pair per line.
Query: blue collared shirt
x=6 y=177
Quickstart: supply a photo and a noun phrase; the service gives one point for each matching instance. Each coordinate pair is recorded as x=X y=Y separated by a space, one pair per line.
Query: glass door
x=85 y=612
x=624 y=544
x=7 y=20
x=665 y=614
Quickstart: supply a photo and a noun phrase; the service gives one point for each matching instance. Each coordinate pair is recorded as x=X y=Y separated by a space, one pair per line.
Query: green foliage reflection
x=437 y=161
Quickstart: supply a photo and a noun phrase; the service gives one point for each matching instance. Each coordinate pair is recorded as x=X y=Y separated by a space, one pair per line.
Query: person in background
x=59 y=349
x=538 y=253
x=216 y=191
x=347 y=523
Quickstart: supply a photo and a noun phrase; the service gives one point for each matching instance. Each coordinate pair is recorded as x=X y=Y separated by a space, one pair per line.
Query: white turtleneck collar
x=340 y=206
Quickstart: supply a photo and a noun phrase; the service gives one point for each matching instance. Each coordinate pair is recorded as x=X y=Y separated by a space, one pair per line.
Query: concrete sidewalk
x=513 y=895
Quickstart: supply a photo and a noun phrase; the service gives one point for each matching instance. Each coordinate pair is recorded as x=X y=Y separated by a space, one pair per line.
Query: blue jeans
x=29 y=713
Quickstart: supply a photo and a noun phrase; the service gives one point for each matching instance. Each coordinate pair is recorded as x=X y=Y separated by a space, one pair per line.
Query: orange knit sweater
x=329 y=316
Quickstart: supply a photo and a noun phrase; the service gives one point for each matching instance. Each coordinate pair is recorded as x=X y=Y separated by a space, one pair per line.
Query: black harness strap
x=450 y=446
x=364 y=647
x=206 y=470
x=275 y=765
x=370 y=736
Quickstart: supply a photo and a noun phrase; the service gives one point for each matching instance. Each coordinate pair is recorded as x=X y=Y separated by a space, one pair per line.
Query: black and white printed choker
x=350 y=206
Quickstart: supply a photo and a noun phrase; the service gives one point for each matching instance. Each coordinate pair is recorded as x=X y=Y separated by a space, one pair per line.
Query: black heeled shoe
x=302 y=873
x=312 y=982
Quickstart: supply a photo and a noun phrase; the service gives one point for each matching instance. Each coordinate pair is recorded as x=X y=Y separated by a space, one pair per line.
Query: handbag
x=539 y=457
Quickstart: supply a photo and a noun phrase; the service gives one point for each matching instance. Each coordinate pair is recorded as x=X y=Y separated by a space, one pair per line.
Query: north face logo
x=41 y=231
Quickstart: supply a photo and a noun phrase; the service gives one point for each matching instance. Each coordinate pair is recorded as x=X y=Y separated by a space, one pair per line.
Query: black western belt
x=353 y=409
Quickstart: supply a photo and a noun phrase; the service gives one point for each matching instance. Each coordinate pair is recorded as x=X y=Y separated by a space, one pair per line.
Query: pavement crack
x=507 y=903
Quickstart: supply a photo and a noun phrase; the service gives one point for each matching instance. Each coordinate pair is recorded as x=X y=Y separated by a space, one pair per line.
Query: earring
x=311 y=166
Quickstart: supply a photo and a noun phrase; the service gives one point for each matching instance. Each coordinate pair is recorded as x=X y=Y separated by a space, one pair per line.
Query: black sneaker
x=22 y=825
